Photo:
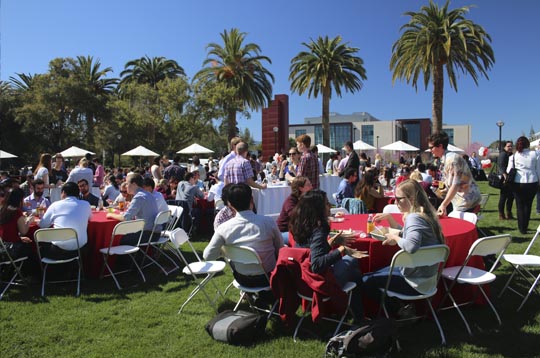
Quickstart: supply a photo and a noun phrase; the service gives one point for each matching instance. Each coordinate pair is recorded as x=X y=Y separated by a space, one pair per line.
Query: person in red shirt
x=13 y=224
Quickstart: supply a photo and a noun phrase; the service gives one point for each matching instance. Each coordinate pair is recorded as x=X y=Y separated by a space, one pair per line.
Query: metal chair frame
x=16 y=264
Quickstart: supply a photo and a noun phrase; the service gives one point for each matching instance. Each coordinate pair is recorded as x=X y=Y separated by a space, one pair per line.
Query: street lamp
x=275 y=129
x=500 y=124
x=118 y=136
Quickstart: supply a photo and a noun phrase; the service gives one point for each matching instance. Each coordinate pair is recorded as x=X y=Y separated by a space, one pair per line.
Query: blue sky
x=33 y=32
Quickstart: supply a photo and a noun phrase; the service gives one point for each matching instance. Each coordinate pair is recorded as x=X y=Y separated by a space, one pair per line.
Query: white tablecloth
x=270 y=200
x=329 y=183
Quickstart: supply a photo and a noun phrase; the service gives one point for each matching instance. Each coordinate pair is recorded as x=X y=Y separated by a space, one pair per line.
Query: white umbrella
x=6 y=155
x=400 y=146
x=75 y=152
x=535 y=143
x=141 y=151
x=322 y=149
x=361 y=145
x=195 y=149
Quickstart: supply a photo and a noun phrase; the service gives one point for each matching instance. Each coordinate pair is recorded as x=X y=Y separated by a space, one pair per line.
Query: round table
x=100 y=229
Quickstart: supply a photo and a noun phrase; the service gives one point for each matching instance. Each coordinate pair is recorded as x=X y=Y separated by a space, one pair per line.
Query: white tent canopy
x=6 y=155
x=195 y=149
x=322 y=149
x=75 y=152
x=450 y=148
x=400 y=146
x=535 y=143
x=361 y=145
x=141 y=151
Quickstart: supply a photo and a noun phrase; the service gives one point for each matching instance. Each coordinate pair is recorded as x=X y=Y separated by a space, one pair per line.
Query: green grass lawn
x=142 y=321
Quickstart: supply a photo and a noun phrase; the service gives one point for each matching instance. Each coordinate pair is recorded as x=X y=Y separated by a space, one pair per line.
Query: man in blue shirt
x=346 y=186
x=142 y=206
x=35 y=199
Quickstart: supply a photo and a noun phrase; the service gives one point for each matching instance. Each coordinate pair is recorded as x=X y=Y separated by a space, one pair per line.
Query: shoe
x=502 y=217
x=408 y=313
x=509 y=216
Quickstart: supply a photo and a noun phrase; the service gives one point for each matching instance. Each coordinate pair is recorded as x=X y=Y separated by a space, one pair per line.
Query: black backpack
x=376 y=338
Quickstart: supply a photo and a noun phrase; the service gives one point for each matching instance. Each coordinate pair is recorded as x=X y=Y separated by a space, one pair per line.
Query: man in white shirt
x=247 y=229
x=70 y=212
x=81 y=172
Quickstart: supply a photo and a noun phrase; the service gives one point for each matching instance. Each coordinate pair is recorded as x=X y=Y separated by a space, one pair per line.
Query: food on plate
x=336 y=219
x=339 y=214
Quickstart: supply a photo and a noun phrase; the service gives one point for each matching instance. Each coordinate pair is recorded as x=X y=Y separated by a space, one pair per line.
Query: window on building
x=339 y=134
x=450 y=132
x=413 y=134
x=367 y=133
x=299 y=132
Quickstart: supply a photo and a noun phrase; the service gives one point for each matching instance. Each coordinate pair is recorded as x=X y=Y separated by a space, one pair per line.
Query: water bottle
x=100 y=204
x=370 y=225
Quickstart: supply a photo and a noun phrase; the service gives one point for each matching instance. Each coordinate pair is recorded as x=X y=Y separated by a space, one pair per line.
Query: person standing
x=353 y=160
x=525 y=184
x=506 y=198
x=309 y=165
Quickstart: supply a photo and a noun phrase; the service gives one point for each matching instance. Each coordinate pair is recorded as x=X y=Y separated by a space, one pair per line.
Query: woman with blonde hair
x=421 y=227
x=44 y=168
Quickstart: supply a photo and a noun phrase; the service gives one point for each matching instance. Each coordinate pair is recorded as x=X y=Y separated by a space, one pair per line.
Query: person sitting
x=310 y=228
x=425 y=176
x=226 y=213
x=81 y=172
x=13 y=224
x=417 y=176
x=421 y=228
x=163 y=188
x=299 y=186
x=405 y=174
x=174 y=170
x=86 y=195
x=247 y=229
x=124 y=196
x=160 y=201
x=112 y=190
x=69 y=212
x=188 y=190
x=36 y=199
x=346 y=186
x=368 y=190
x=28 y=186
x=142 y=206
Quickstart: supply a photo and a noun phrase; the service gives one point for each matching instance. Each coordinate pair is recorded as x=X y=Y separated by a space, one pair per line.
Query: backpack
x=237 y=328
x=376 y=338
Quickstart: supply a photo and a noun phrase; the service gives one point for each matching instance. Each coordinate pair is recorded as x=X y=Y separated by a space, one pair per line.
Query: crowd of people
x=423 y=193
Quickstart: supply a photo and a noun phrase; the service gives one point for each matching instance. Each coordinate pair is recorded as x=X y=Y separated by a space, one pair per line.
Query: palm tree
x=96 y=87
x=150 y=70
x=240 y=67
x=434 y=38
x=24 y=82
x=330 y=65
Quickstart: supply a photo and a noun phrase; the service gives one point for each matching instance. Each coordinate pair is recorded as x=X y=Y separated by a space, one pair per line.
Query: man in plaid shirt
x=239 y=170
x=309 y=165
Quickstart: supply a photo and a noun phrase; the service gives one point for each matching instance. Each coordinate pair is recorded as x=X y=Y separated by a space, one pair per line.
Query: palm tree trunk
x=326 y=116
x=231 y=124
x=90 y=130
x=437 y=105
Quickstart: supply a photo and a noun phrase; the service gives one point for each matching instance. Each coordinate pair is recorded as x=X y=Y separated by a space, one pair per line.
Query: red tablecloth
x=207 y=214
x=380 y=203
x=99 y=235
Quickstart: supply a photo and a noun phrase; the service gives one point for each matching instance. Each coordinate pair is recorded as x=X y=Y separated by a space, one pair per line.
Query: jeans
x=348 y=270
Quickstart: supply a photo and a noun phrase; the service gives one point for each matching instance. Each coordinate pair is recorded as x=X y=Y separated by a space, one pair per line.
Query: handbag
x=510 y=178
x=495 y=180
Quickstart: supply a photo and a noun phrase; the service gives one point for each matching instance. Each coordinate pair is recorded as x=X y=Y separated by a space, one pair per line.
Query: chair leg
x=508 y=281
x=242 y=296
x=200 y=287
x=533 y=286
x=138 y=268
x=308 y=309
x=443 y=338
x=152 y=261
x=490 y=305
x=79 y=277
x=456 y=306
x=43 y=280
x=113 y=276
x=344 y=313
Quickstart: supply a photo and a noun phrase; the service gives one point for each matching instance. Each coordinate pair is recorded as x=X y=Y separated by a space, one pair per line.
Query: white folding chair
x=197 y=268
x=165 y=237
x=53 y=235
x=522 y=264
x=247 y=256
x=162 y=219
x=491 y=245
x=7 y=261
x=483 y=201
x=122 y=228
x=347 y=288
x=176 y=213
x=470 y=217
x=391 y=209
x=424 y=256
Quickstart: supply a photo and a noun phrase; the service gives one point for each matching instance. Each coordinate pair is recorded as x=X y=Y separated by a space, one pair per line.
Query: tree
x=95 y=88
x=150 y=71
x=240 y=68
x=328 y=66
x=437 y=38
